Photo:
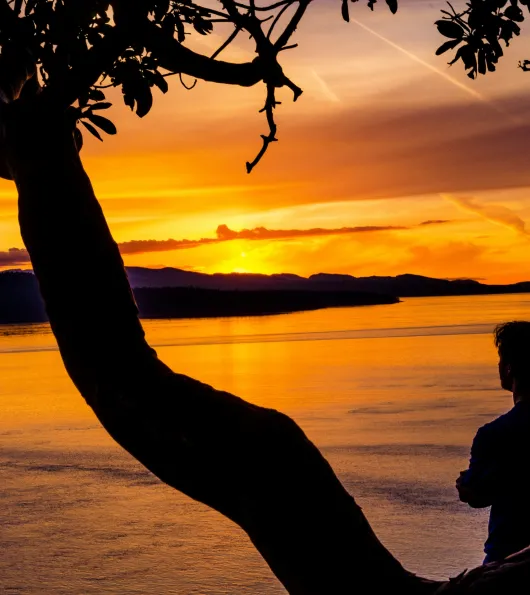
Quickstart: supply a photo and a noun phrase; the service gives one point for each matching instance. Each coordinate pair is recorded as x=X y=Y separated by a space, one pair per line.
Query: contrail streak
x=440 y=73
x=325 y=88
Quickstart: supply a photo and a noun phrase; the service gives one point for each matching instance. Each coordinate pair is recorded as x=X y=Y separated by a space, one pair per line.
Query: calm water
x=392 y=395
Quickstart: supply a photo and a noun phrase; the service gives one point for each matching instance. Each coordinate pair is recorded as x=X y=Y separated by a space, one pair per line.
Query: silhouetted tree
x=252 y=464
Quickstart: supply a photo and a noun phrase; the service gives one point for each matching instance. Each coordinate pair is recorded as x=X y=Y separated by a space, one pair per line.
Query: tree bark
x=252 y=464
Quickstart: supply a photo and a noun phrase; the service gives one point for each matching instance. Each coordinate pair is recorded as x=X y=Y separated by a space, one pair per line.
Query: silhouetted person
x=499 y=469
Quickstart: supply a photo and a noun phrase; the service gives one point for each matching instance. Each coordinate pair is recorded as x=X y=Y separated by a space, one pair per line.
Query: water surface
x=392 y=395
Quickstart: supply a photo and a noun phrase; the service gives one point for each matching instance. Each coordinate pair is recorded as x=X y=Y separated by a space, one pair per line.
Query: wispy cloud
x=143 y=246
x=224 y=233
x=495 y=213
x=434 y=222
x=17 y=256
x=14 y=257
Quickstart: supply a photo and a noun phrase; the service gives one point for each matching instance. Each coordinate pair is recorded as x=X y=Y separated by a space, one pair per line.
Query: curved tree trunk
x=252 y=464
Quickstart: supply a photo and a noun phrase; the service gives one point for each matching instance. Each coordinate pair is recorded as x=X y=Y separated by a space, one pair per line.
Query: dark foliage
x=80 y=48
x=479 y=32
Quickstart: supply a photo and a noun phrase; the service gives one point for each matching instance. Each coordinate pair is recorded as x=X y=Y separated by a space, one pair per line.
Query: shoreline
x=194 y=303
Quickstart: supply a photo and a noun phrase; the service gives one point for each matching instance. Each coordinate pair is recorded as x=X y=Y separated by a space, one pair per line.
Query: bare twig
x=230 y=39
x=288 y=47
x=294 y=88
x=270 y=104
x=210 y=10
x=267 y=51
x=188 y=87
x=293 y=24
x=279 y=16
x=265 y=8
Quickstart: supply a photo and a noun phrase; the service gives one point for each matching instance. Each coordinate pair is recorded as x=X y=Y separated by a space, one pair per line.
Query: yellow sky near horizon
x=385 y=136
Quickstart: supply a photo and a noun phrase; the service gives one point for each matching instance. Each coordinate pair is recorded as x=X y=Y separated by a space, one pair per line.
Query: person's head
x=512 y=340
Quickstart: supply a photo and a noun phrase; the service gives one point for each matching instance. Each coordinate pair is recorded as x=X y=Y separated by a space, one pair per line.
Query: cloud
x=143 y=246
x=435 y=222
x=14 y=257
x=387 y=153
x=495 y=213
x=224 y=233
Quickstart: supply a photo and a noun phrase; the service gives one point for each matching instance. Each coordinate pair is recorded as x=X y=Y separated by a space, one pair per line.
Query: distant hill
x=174 y=293
x=402 y=285
x=20 y=300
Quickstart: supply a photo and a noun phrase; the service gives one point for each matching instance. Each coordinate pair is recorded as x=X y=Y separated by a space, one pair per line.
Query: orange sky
x=386 y=136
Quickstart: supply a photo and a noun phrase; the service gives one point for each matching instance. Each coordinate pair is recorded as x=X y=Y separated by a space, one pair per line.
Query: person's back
x=499 y=470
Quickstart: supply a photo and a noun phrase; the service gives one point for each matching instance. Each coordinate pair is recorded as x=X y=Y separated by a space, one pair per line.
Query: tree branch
x=264 y=8
x=270 y=104
x=175 y=57
x=228 y=41
x=293 y=24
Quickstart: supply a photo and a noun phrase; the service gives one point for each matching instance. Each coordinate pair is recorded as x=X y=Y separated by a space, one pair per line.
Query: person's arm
x=477 y=485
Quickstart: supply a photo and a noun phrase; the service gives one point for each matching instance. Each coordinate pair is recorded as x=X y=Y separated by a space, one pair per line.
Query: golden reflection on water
x=392 y=394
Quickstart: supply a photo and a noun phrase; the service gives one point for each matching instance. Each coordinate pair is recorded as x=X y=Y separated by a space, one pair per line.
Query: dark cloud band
x=19 y=257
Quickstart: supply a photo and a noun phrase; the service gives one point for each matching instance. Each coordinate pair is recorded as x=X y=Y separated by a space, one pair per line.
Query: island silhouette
x=177 y=293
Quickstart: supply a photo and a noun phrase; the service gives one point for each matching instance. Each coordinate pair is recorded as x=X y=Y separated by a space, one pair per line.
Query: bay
x=392 y=395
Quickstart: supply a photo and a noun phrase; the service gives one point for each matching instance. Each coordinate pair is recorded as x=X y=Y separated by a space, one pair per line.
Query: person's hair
x=512 y=340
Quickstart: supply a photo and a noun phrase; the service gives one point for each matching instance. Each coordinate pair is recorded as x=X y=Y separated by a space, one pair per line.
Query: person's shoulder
x=504 y=422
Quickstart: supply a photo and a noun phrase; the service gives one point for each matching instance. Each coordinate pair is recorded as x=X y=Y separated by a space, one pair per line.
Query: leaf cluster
x=479 y=32
x=60 y=35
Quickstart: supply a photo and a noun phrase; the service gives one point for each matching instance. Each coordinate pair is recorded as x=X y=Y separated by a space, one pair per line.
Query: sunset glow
x=427 y=169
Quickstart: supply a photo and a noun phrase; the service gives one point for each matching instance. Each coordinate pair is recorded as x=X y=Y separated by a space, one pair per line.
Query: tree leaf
x=202 y=26
x=161 y=9
x=469 y=58
x=144 y=98
x=345 y=11
x=450 y=29
x=514 y=13
x=105 y=124
x=168 y=24
x=160 y=82
x=96 y=95
x=181 y=33
x=393 y=5
x=99 y=106
x=482 y=68
x=448 y=45
x=92 y=130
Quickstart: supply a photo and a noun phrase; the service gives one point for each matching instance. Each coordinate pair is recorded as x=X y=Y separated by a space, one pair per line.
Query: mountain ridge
x=176 y=293
x=405 y=285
